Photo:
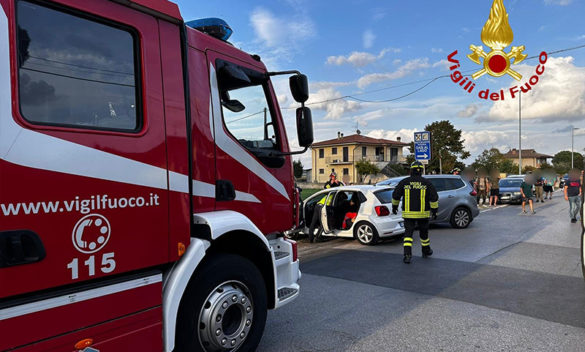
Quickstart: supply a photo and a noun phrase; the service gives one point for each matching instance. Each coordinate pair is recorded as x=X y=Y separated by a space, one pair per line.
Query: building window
x=68 y=82
x=321 y=171
x=364 y=152
x=379 y=153
x=394 y=155
x=346 y=171
x=333 y=151
x=345 y=154
x=321 y=153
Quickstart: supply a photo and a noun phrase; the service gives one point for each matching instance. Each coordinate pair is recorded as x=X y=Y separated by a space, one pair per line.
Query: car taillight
x=295 y=251
x=473 y=193
x=382 y=210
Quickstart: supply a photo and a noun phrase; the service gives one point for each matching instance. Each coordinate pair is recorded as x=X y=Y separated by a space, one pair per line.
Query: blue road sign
x=422 y=145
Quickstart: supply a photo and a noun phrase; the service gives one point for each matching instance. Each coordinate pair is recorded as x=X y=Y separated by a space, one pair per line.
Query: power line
x=81 y=66
x=77 y=78
x=428 y=82
x=245 y=117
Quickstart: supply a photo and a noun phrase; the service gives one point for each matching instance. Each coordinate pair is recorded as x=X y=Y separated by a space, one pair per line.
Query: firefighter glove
x=394 y=209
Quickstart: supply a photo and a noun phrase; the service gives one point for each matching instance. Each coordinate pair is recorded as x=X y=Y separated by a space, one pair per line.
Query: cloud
x=559 y=94
x=404 y=70
x=358 y=58
x=469 y=111
x=368 y=39
x=444 y=64
x=273 y=31
x=436 y=50
x=323 y=100
x=405 y=134
x=558 y=2
x=478 y=141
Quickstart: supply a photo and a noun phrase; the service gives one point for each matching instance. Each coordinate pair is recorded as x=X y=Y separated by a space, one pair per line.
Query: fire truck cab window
x=245 y=105
x=75 y=72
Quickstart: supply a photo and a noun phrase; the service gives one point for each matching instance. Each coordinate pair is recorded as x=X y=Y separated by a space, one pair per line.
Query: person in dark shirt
x=526 y=190
x=573 y=194
x=333 y=182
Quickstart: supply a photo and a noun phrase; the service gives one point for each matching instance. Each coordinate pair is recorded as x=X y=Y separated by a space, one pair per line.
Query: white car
x=373 y=205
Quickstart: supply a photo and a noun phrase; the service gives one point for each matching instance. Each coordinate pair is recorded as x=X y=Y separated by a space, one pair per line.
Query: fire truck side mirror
x=299 y=87
x=304 y=127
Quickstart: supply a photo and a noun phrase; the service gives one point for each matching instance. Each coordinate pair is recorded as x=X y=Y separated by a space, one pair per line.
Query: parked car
x=510 y=190
x=373 y=205
x=457 y=199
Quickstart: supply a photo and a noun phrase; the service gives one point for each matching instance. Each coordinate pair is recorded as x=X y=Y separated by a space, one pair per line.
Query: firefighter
x=420 y=201
x=333 y=182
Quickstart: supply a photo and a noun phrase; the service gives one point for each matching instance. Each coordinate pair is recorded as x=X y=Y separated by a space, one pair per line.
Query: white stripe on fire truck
x=235 y=150
x=77 y=297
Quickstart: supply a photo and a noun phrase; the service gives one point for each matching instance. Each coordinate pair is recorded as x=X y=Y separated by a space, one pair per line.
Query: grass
x=307 y=192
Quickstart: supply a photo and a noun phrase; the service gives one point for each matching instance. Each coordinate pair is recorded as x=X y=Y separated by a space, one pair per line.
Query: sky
x=384 y=50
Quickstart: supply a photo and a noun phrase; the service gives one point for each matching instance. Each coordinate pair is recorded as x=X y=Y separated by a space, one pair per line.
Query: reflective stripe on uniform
x=425 y=243
x=416 y=214
x=407 y=200
x=423 y=199
x=395 y=201
x=435 y=205
x=407 y=241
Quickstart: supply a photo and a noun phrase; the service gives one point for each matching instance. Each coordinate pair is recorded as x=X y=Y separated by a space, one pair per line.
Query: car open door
x=327 y=213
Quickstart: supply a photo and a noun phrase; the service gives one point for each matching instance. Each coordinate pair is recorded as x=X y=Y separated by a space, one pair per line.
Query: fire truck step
x=286 y=292
x=280 y=255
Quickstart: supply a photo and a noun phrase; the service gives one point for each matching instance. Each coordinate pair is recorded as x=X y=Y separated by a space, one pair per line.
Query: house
x=529 y=157
x=342 y=153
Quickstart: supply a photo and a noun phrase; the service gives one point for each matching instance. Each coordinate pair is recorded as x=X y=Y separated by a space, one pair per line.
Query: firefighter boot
x=426 y=248
x=407 y=250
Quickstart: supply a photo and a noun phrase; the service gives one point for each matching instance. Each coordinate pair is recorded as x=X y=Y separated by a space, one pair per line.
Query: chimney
x=358 y=132
x=398 y=139
x=338 y=134
x=342 y=135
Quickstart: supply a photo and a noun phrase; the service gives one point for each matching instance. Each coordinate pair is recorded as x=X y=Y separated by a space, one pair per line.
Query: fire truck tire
x=224 y=307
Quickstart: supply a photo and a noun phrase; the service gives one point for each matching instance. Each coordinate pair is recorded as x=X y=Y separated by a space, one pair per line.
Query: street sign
x=422 y=145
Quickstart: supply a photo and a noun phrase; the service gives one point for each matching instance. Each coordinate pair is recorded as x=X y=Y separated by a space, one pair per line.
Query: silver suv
x=457 y=199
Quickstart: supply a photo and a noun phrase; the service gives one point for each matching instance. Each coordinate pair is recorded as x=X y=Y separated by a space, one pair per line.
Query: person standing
x=526 y=190
x=573 y=194
x=548 y=187
x=539 y=188
x=482 y=187
x=333 y=182
x=494 y=189
x=419 y=201
x=316 y=220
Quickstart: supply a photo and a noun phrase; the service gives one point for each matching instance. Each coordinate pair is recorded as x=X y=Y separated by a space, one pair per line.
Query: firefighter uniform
x=419 y=201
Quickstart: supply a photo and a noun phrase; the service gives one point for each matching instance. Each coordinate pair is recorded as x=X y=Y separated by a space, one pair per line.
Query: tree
x=298 y=168
x=507 y=166
x=489 y=159
x=562 y=161
x=446 y=145
x=364 y=167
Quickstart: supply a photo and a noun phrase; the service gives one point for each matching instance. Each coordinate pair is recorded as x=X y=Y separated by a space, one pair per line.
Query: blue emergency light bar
x=215 y=27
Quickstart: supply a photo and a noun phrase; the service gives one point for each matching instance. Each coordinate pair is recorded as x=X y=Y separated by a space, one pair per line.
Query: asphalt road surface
x=509 y=282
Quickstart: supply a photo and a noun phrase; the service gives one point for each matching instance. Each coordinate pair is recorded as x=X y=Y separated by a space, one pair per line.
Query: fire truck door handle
x=20 y=247
x=224 y=190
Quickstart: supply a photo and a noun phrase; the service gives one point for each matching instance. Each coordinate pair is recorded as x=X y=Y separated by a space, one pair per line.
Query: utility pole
x=572 y=147
x=520 y=133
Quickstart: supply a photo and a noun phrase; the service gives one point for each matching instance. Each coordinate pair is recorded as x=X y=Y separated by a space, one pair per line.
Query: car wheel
x=366 y=233
x=223 y=308
x=460 y=218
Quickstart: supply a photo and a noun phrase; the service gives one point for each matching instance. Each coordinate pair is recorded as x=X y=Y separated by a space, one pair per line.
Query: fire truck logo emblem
x=91 y=233
x=497 y=35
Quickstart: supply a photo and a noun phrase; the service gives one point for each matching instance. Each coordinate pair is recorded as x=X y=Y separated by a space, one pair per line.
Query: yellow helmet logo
x=497 y=35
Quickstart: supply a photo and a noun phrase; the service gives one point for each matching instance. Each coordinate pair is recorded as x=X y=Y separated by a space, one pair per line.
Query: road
x=509 y=282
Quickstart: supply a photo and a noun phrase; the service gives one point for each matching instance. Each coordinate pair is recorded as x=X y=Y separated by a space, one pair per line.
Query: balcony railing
x=334 y=160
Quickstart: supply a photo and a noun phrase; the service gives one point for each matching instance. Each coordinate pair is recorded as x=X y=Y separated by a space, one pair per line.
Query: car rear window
x=516 y=182
x=384 y=196
x=454 y=183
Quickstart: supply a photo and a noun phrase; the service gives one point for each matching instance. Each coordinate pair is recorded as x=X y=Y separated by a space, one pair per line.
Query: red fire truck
x=145 y=181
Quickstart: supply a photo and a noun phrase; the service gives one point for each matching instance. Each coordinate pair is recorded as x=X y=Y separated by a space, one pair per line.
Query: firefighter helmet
x=417 y=165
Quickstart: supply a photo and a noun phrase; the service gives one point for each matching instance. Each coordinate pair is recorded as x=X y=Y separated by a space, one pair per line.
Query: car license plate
x=401 y=224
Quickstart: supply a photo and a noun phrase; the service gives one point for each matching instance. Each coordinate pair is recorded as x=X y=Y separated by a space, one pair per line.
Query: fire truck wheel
x=224 y=307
